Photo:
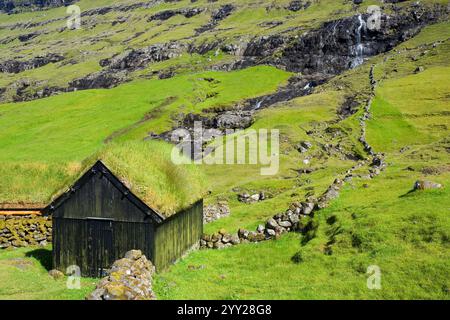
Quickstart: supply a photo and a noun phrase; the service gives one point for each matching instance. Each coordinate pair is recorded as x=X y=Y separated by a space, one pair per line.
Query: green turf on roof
x=144 y=167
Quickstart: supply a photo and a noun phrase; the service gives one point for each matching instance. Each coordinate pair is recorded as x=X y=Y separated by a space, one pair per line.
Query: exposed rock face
x=233 y=120
x=298 y=86
x=298 y=5
x=213 y=126
x=339 y=45
x=251 y=198
x=102 y=79
x=129 y=278
x=319 y=55
x=12 y=6
x=216 y=17
x=118 y=67
x=15 y=66
x=139 y=58
x=25 y=231
x=23 y=92
x=348 y=108
x=167 y=14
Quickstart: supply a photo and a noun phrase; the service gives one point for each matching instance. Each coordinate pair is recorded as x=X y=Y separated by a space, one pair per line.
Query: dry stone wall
x=129 y=278
x=23 y=231
x=296 y=218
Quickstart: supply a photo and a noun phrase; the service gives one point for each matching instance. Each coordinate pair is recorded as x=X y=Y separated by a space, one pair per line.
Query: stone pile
x=215 y=212
x=24 y=231
x=251 y=198
x=129 y=278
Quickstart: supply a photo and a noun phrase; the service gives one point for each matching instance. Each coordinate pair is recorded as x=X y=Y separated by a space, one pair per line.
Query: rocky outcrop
x=304 y=146
x=298 y=5
x=14 y=6
x=16 y=66
x=26 y=90
x=217 y=16
x=102 y=79
x=167 y=14
x=214 y=124
x=298 y=86
x=24 y=231
x=139 y=58
x=129 y=278
x=117 y=68
x=251 y=198
x=341 y=44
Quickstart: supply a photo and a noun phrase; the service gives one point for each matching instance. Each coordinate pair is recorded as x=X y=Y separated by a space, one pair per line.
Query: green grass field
x=24 y=276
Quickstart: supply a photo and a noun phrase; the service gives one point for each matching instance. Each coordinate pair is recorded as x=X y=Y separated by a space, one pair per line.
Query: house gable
x=100 y=194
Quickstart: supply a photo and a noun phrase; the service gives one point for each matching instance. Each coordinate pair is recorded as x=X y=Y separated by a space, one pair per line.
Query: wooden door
x=100 y=246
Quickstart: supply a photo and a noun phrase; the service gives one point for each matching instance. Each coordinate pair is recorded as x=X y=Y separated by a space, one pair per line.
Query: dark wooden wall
x=99 y=198
x=177 y=234
x=93 y=245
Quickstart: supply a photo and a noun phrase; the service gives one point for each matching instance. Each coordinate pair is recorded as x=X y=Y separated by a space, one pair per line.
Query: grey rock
x=56 y=274
x=219 y=245
x=308 y=208
x=285 y=224
x=271 y=233
x=226 y=238
x=426 y=185
x=235 y=239
x=260 y=228
x=271 y=224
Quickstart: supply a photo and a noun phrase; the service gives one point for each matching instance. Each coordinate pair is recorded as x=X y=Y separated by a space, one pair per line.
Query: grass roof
x=144 y=167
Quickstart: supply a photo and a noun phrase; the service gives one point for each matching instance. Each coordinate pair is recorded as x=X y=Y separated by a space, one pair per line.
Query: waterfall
x=359 y=52
x=258 y=105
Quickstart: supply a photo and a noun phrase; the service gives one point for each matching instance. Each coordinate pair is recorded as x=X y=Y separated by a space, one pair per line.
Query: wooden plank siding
x=177 y=234
x=72 y=244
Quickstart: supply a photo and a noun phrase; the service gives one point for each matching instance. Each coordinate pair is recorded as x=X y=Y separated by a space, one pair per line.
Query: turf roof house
x=99 y=219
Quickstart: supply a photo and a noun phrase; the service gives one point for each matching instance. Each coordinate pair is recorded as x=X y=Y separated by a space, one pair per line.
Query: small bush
x=297 y=257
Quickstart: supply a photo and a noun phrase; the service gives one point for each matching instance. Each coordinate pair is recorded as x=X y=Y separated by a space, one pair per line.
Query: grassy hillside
x=374 y=222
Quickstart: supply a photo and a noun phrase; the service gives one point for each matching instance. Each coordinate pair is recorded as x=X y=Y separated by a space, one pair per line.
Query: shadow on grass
x=44 y=256
x=410 y=193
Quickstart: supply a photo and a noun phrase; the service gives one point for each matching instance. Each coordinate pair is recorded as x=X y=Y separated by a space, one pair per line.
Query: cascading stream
x=359 y=52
